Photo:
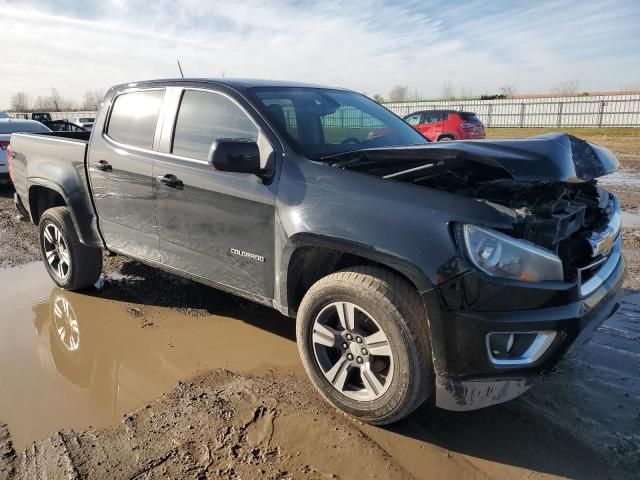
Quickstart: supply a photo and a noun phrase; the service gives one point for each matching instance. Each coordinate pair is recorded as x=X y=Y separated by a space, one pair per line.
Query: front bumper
x=463 y=311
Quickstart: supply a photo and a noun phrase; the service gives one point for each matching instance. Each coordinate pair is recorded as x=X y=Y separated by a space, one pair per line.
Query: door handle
x=104 y=166
x=170 y=180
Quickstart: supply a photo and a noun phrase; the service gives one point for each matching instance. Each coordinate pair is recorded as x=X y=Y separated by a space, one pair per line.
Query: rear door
x=214 y=225
x=431 y=125
x=120 y=170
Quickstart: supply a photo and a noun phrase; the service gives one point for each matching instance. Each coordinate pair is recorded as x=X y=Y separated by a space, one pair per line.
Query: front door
x=120 y=171
x=214 y=225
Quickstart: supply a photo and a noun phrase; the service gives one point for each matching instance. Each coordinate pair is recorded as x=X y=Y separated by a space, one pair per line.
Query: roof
x=18 y=123
x=234 y=83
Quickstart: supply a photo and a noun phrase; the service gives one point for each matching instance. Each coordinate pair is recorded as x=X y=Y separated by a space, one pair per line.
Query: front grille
x=594 y=275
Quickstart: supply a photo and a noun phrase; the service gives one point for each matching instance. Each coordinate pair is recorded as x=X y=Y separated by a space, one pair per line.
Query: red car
x=445 y=125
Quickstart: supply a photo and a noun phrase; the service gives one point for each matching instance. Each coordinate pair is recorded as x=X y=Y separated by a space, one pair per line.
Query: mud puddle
x=630 y=218
x=75 y=359
x=107 y=369
x=623 y=177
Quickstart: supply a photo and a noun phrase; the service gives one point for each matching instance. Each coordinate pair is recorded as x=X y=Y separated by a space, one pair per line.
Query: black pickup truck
x=454 y=271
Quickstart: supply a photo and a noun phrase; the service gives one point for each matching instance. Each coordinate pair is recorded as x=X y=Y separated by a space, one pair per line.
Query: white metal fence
x=592 y=111
x=58 y=115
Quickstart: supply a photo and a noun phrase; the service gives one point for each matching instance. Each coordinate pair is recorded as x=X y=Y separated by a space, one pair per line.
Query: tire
x=381 y=301
x=446 y=138
x=73 y=266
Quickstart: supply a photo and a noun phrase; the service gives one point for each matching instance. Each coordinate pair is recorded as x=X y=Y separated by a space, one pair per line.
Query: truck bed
x=56 y=161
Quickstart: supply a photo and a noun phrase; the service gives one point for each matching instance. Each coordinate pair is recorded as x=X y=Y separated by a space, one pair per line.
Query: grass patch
x=578 y=132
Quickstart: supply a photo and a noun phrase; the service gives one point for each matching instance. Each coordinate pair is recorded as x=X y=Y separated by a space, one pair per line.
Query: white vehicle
x=7 y=127
x=84 y=122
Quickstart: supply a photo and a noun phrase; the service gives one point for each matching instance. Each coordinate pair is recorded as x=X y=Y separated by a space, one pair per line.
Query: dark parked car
x=459 y=271
x=65 y=126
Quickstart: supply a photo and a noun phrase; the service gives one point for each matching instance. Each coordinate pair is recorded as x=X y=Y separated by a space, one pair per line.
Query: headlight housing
x=500 y=255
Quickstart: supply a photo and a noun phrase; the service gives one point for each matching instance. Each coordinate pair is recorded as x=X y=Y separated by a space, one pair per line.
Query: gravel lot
x=584 y=419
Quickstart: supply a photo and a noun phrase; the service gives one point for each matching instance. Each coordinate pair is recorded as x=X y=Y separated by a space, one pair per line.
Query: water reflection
x=95 y=361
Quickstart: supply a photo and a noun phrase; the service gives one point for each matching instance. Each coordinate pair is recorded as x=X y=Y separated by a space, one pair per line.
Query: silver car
x=84 y=122
x=9 y=126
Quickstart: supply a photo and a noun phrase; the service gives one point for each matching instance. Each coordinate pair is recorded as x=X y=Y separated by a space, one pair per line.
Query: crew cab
x=456 y=272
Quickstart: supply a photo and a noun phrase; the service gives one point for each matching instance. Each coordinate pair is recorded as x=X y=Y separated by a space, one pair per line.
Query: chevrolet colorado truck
x=456 y=272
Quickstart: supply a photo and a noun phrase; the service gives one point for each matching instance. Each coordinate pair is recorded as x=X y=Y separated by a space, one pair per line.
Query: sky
x=365 y=45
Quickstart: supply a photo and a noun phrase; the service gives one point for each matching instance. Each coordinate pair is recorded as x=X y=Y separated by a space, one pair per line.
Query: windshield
x=86 y=120
x=16 y=127
x=320 y=122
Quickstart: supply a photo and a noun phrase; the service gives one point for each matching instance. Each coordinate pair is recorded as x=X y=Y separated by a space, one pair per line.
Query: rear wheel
x=70 y=264
x=362 y=335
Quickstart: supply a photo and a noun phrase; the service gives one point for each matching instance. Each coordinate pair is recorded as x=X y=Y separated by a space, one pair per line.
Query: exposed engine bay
x=568 y=217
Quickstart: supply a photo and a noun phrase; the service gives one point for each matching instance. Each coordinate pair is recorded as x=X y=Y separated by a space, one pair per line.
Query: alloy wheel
x=66 y=324
x=55 y=250
x=352 y=351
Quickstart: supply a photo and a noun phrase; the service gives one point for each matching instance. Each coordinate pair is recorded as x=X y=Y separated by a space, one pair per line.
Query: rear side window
x=134 y=116
x=205 y=117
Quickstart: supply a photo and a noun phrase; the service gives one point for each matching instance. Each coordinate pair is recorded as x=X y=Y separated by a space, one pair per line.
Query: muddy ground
x=264 y=420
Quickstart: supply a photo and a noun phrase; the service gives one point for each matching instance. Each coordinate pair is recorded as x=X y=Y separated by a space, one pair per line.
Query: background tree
x=20 y=102
x=509 y=90
x=447 y=91
x=53 y=102
x=465 y=93
x=92 y=100
x=567 y=88
x=378 y=98
x=399 y=93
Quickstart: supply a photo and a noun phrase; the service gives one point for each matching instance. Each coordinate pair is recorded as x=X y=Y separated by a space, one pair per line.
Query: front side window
x=413 y=119
x=134 y=116
x=205 y=117
x=321 y=122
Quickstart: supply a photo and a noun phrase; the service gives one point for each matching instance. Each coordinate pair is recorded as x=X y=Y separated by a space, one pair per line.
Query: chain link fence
x=597 y=111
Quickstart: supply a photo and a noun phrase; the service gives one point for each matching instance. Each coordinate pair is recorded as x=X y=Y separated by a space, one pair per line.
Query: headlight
x=500 y=255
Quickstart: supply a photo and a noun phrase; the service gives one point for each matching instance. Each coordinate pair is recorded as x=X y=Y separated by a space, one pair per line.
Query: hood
x=553 y=157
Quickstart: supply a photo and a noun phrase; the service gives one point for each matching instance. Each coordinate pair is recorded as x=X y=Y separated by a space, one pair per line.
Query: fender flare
x=392 y=261
x=86 y=227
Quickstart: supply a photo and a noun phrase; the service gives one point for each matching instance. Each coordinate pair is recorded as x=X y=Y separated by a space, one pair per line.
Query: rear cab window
x=134 y=116
x=205 y=117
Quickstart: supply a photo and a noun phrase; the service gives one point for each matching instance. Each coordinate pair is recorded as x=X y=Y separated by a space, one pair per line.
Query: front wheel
x=70 y=264
x=363 y=337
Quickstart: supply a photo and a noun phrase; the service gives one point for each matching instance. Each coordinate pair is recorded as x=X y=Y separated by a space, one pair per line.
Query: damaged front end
x=494 y=330
x=549 y=182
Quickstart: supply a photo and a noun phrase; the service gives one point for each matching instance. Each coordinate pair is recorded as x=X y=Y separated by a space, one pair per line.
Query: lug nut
x=364 y=351
x=345 y=346
x=359 y=339
x=349 y=337
x=350 y=357
x=359 y=359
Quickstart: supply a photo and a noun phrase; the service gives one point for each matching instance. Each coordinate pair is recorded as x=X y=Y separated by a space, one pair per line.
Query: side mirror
x=235 y=155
